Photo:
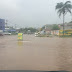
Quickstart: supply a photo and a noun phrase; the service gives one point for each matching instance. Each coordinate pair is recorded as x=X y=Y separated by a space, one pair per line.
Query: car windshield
x=36 y=35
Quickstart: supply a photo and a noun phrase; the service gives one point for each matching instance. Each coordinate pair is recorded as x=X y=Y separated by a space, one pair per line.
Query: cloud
x=8 y=9
x=30 y=12
x=8 y=4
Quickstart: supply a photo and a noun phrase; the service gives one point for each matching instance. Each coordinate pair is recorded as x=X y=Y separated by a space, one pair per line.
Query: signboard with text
x=66 y=32
x=20 y=36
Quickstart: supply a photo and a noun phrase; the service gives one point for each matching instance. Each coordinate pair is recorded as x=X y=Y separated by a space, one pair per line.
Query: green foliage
x=25 y=30
x=32 y=29
x=63 y=8
x=51 y=27
x=43 y=28
x=47 y=27
x=55 y=27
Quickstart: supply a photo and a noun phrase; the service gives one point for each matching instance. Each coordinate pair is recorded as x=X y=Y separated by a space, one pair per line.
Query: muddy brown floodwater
x=34 y=53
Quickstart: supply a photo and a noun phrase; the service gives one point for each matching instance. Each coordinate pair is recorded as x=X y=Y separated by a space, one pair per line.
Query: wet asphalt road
x=35 y=53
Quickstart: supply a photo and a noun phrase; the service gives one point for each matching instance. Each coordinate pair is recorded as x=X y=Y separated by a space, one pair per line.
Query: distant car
x=1 y=34
x=36 y=34
x=6 y=33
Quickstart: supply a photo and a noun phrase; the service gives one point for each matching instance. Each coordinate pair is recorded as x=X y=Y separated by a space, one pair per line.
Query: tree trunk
x=63 y=24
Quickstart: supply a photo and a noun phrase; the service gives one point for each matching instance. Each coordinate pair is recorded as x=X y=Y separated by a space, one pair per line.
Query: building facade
x=67 y=26
x=2 y=24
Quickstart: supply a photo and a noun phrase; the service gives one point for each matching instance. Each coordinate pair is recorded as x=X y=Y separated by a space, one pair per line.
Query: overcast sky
x=31 y=13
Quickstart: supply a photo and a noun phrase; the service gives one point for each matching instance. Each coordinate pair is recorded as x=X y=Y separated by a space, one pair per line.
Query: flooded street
x=35 y=53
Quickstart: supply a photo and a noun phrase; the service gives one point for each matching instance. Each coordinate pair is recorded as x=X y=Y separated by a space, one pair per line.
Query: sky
x=31 y=13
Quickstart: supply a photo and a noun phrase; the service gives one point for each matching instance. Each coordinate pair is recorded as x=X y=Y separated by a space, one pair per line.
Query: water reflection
x=36 y=53
x=20 y=43
x=63 y=55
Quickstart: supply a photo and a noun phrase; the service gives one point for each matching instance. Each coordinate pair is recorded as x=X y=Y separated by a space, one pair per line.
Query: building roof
x=66 y=24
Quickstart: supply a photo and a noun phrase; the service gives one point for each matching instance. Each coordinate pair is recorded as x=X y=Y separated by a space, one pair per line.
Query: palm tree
x=63 y=8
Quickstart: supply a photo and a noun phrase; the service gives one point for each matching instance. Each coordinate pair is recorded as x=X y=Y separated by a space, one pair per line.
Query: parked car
x=1 y=33
x=36 y=34
x=7 y=33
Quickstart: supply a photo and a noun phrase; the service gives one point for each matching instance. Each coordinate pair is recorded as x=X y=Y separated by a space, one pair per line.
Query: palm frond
x=59 y=5
x=60 y=12
x=67 y=2
x=63 y=8
x=69 y=6
x=68 y=10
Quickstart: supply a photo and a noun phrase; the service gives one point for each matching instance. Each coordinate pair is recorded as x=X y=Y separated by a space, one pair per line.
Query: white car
x=1 y=33
x=36 y=34
x=6 y=33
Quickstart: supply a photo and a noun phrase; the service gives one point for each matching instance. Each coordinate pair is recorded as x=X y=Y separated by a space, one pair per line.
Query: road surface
x=35 y=53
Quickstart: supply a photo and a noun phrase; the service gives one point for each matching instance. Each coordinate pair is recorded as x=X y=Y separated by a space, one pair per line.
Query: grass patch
x=66 y=36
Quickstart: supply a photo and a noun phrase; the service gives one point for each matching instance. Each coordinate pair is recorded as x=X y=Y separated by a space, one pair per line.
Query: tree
x=43 y=28
x=48 y=26
x=55 y=27
x=63 y=8
x=25 y=30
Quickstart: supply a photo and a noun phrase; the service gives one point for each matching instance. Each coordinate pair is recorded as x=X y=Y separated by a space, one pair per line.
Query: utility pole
x=6 y=22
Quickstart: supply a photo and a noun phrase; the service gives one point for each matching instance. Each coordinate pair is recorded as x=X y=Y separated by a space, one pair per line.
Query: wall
x=55 y=32
x=2 y=24
x=66 y=26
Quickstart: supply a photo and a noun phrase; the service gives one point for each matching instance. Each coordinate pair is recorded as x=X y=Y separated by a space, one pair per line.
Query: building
x=67 y=26
x=9 y=29
x=48 y=28
x=2 y=24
